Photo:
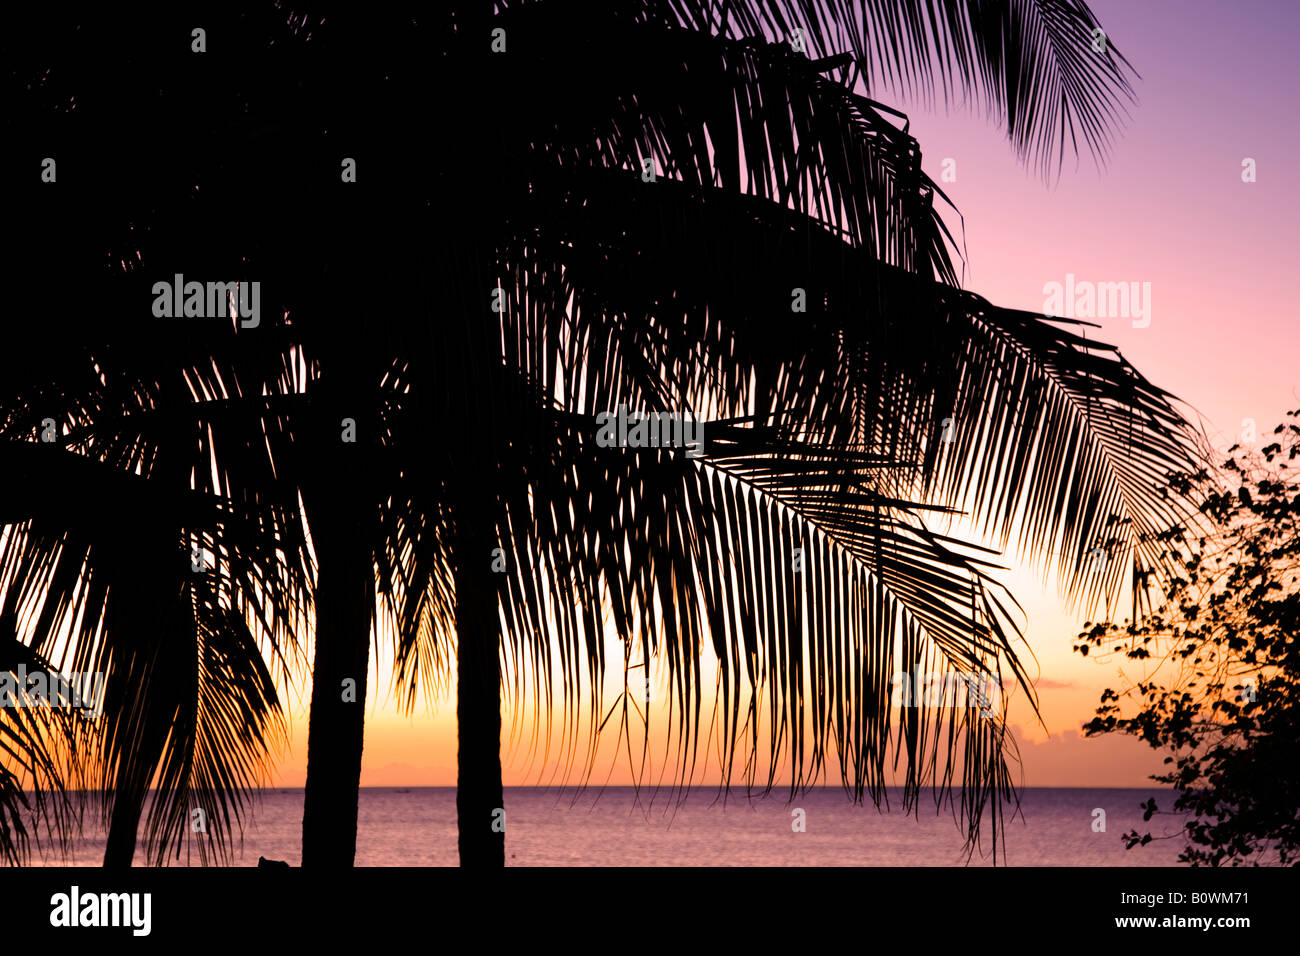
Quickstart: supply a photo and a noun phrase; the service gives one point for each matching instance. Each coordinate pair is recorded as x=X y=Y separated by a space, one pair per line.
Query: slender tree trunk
x=480 y=807
x=146 y=722
x=338 y=510
x=119 y=852
x=336 y=730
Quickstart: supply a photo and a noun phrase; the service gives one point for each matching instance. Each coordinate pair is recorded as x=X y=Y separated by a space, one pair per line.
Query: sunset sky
x=1169 y=208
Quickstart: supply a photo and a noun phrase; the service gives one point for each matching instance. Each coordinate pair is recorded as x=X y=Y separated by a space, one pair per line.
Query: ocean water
x=616 y=826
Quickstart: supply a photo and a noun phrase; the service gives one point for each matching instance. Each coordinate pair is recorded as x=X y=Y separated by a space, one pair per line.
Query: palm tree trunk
x=336 y=729
x=119 y=852
x=337 y=502
x=480 y=804
x=480 y=807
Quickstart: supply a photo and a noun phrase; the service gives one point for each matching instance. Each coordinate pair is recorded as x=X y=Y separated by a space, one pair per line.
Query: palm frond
x=811 y=590
x=1058 y=440
x=109 y=586
x=38 y=765
x=1044 y=68
x=750 y=118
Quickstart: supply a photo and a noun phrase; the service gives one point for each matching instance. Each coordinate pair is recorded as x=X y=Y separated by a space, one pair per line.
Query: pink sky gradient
x=1170 y=208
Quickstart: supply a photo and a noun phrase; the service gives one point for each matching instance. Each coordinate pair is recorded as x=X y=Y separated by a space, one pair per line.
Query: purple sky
x=1217 y=85
x=1170 y=209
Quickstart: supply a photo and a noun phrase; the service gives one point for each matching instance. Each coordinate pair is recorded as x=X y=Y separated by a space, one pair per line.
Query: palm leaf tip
x=1046 y=68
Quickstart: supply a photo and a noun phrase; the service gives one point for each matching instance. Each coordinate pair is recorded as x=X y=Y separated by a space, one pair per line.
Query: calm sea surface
x=615 y=827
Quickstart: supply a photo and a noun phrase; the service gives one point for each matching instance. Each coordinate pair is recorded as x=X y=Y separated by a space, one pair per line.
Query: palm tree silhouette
x=100 y=576
x=624 y=212
x=111 y=488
